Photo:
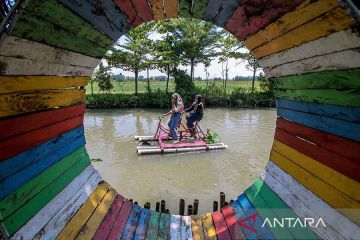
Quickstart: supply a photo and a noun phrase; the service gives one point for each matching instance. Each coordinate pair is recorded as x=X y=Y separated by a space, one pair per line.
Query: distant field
x=129 y=87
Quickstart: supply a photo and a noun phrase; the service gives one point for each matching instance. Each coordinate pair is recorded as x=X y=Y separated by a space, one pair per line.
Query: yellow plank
x=89 y=229
x=208 y=227
x=9 y=84
x=333 y=21
x=74 y=226
x=196 y=227
x=157 y=8
x=304 y=13
x=323 y=190
x=339 y=181
x=171 y=8
x=16 y=103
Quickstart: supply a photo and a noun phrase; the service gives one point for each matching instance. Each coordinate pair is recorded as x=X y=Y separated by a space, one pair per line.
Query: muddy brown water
x=202 y=175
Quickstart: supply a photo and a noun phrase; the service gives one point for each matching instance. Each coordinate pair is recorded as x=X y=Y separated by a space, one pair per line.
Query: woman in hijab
x=196 y=113
x=177 y=108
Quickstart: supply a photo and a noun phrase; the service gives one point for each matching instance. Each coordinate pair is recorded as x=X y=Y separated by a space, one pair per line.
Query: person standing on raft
x=196 y=113
x=177 y=108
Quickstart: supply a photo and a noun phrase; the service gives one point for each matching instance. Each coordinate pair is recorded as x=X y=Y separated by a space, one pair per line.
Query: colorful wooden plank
x=211 y=10
x=222 y=232
x=348 y=59
x=121 y=220
x=333 y=21
x=322 y=189
x=10 y=84
x=305 y=12
x=73 y=227
x=129 y=11
x=197 y=229
x=153 y=227
x=336 y=220
x=106 y=225
x=142 y=225
x=15 y=221
x=158 y=9
x=85 y=183
x=89 y=229
x=324 y=140
x=330 y=125
x=240 y=216
x=132 y=221
x=208 y=227
x=143 y=9
x=164 y=227
x=231 y=222
x=16 y=103
x=198 y=9
x=171 y=8
x=31 y=188
x=105 y=16
x=175 y=227
x=299 y=208
x=336 y=42
x=186 y=232
x=24 y=142
x=226 y=10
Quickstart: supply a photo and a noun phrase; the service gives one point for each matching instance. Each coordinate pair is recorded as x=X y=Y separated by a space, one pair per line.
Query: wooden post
x=196 y=206
x=131 y=200
x=182 y=207
x=157 y=208
x=147 y=205
x=215 y=206
x=225 y=204
x=232 y=201
x=167 y=211
x=162 y=206
x=190 y=210
x=136 y=203
x=222 y=199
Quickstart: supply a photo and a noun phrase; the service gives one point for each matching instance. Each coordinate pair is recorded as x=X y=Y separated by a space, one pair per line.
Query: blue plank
x=142 y=224
x=104 y=15
x=337 y=127
x=131 y=224
x=211 y=10
x=13 y=182
x=226 y=10
x=20 y=161
x=351 y=114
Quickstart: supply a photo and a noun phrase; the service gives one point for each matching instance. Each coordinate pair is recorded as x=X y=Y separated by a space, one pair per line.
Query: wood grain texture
x=186 y=232
x=225 y=11
x=197 y=228
x=305 y=12
x=153 y=226
x=330 y=62
x=89 y=229
x=335 y=42
x=107 y=224
x=158 y=9
x=240 y=215
x=143 y=9
x=129 y=11
x=231 y=222
x=222 y=232
x=131 y=224
x=121 y=220
x=164 y=227
x=175 y=227
x=142 y=225
x=85 y=182
x=336 y=220
x=171 y=8
x=323 y=190
x=208 y=227
x=333 y=21
x=73 y=227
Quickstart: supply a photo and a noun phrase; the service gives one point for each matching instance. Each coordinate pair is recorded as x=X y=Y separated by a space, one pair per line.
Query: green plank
x=185 y=8
x=31 y=27
x=27 y=191
x=15 y=221
x=152 y=230
x=164 y=226
x=343 y=79
x=199 y=8
x=281 y=209
x=348 y=97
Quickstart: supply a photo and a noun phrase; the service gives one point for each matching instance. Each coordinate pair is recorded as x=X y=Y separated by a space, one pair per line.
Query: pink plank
x=197 y=143
x=143 y=9
x=120 y=222
x=220 y=226
x=231 y=222
x=128 y=9
x=107 y=224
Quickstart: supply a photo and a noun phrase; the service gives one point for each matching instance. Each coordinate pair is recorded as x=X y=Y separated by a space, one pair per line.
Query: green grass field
x=129 y=87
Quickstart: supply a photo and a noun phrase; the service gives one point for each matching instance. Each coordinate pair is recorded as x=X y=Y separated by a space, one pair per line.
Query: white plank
x=64 y=215
x=333 y=61
x=186 y=232
x=88 y=180
x=340 y=224
x=335 y=42
x=175 y=227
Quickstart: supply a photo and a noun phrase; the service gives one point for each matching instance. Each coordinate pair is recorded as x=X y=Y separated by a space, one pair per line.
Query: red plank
x=107 y=224
x=231 y=222
x=128 y=9
x=345 y=147
x=18 y=144
x=121 y=221
x=25 y=123
x=143 y=9
x=253 y=15
x=220 y=226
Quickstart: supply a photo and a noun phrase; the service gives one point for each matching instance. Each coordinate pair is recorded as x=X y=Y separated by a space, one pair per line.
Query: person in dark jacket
x=195 y=114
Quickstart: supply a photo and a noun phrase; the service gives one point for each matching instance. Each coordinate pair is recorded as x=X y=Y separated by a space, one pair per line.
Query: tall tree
x=252 y=65
x=103 y=77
